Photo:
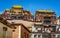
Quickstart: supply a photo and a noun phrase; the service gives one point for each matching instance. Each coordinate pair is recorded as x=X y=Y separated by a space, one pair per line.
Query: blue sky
x=32 y=5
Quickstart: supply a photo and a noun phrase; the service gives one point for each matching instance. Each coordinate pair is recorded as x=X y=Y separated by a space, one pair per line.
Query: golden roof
x=16 y=6
x=45 y=10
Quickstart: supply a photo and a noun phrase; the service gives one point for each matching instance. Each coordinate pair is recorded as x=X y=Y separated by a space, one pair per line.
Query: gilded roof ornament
x=17 y=6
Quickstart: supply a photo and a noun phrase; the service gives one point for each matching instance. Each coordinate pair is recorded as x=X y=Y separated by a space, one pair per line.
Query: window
x=36 y=28
x=47 y=21
x=20 y=13
x=4 y=29
x=58 y=36
x=49 y=12
x=39 y=36
x=13 y=16
x=13 y=30
x=24 y=35
x=20 y=17
x=12 y=22
x=53 y=28
x=41 y=12
x=35 y=36
x=53 y=36
x=4 y=32
x=47 y=17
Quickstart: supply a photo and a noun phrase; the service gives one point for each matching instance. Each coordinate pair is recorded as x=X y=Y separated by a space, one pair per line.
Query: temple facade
x=43 y=24
x=17 y=12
